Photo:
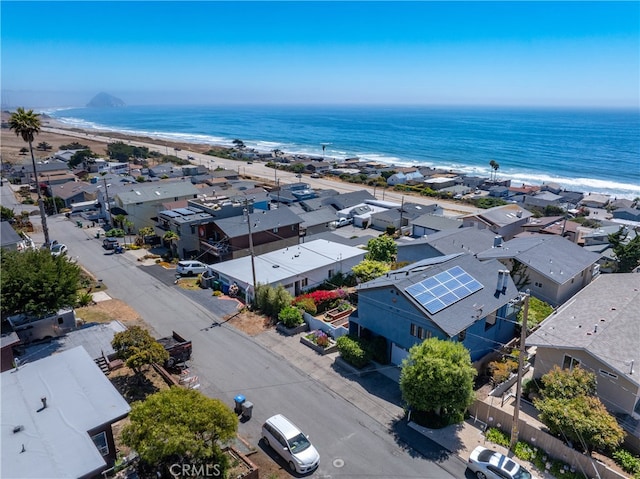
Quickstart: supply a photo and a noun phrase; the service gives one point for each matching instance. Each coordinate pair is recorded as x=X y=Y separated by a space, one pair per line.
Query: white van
x=288 y=441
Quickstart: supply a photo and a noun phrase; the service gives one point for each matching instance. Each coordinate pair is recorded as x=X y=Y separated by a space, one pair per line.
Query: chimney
x=499 y=285
x=497 y=241
x=595 y=328
x=505 y=280
x=44 y=402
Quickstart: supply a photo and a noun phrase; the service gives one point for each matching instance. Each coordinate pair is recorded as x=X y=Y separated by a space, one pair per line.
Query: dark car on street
x=110 y=243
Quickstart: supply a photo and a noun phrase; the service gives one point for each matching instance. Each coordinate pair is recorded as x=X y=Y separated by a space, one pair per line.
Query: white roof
x=280 y=265
x=55 y=440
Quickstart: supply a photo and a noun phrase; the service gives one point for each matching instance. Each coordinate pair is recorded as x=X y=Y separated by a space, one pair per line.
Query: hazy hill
x=104 y=100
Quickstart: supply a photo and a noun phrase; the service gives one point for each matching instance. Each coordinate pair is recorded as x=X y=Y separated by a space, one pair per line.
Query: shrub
x=115 y=232
x=307 y=304
x=290 y=316
x=627 y=461
x=524 y=451
x=320 y=338
x=84 y=299
x=351 y=351
x=217 y=293
x=498 y=437
x=502 y=370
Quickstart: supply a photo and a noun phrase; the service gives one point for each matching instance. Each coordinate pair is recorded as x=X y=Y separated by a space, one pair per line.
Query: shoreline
x=621 y=186
x=54 y=126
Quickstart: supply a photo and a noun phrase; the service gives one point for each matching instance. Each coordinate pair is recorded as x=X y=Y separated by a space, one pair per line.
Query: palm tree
x=494 y=164
x=27 y=124
x=172 y=238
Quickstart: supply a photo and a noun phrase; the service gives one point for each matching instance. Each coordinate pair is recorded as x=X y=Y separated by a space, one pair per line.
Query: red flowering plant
x=323 y=299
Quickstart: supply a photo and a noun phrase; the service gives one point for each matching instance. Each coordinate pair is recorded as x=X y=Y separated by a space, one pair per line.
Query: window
x=420 y=332
x=100 y=440
x=304 y=282
x=60 y=320
x=569 y=362
x=412 y=329
x=330 y=274
x=275 y=230
x=608 y=374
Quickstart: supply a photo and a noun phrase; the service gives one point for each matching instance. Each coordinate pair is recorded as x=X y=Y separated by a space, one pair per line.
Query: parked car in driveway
x=290 y=443
x=110 y=243
x=490 y=464
x=190 y=267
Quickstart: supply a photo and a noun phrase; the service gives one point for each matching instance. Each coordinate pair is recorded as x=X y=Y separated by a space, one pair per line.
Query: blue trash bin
x=239 y=401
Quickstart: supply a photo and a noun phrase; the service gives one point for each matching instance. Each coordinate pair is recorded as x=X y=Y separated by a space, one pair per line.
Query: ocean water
x=582 y=150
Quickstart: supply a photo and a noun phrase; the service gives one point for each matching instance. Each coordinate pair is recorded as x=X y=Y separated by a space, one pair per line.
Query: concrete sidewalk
x=379 y=397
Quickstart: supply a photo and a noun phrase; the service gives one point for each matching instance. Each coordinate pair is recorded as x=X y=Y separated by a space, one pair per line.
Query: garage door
x=398 y=354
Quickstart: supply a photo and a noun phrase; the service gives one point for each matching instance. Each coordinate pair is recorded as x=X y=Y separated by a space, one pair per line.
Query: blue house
x=454 y=297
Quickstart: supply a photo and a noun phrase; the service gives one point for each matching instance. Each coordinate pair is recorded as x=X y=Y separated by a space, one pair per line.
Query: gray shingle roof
x=460 y=315
x=79 y=399
x=556 y=258
x=465 y=240
x=602 y=319
x=142 y=192
x=236 y=226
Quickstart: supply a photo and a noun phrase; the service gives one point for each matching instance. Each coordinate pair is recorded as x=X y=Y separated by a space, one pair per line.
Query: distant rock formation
x=104 y=100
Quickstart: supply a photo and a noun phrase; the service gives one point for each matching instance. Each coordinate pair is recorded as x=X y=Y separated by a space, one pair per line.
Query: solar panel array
x=444 y=289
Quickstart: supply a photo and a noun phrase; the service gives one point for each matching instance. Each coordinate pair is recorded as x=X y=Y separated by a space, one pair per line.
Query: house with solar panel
x=453 y=297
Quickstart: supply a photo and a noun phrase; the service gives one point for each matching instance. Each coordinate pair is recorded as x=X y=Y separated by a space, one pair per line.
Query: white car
x=288 y=441
x=58 y=249
x=490 y=464
x=190 y=267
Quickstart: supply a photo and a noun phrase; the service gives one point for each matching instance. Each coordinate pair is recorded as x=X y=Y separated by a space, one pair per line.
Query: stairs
x=102 y=364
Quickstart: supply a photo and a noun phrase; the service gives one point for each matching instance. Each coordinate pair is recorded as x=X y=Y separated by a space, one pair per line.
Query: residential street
x=351 y=442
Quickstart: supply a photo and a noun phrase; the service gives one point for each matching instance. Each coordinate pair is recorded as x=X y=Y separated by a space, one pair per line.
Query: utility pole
x=523 y=338
x=107 y=205
x=401 y=214
x=253 y=264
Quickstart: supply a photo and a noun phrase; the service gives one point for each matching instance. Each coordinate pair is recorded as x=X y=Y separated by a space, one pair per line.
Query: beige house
x=599 y=330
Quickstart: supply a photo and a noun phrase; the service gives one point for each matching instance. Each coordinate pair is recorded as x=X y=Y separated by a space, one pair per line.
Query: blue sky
x=458 y=53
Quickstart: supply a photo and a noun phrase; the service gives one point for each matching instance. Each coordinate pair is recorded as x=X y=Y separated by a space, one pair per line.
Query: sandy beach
x=56 y=134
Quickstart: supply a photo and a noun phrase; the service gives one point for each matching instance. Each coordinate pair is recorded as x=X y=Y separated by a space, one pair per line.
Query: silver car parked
x=288 y=441
x=489 y=464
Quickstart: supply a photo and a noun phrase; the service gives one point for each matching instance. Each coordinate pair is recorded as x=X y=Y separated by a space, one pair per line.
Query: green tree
x=27 y=125
x=383 y=248
x=238 y=144
x=172 y=238
x=569 y=406
x=437 y=377
x=53 y=205
x=627 y=252
x=137 y=348
x=81 y=156
x=367 y=270
x=37 y=283
x=74 y=146
x=567 y=384
x=44 y=146
x=6 y=214
x=180 y=426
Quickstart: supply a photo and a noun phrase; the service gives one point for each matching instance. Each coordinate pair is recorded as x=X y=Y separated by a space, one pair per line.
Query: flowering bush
x=320 y=338
x=322 y=299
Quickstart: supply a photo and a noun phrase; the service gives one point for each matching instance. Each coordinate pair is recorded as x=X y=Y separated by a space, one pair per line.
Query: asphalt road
x=351 y=443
